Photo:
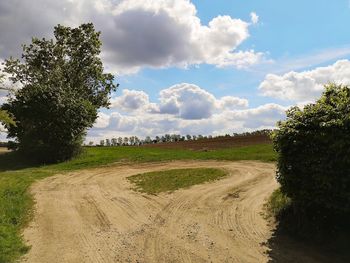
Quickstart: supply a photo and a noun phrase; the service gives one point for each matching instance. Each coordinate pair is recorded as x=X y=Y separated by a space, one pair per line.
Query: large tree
x=63 y=86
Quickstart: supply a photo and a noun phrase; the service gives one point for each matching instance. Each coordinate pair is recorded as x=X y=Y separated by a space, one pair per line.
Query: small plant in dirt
x=63 y=86
x=313 y=146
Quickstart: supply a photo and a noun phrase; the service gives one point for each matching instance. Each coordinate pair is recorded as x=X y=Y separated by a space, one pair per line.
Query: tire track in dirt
x=95 y=216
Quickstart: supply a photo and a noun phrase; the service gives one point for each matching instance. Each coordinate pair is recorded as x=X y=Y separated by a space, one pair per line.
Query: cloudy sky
x=200 y=66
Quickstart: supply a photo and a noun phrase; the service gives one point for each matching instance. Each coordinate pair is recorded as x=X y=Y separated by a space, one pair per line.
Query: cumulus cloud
x=102 y=120
x=186 y=101
x=230 y=102
x=183 y=109
x=189 y=101
x=263 y=116
x=305 y=85
x=135 y=33
x=131 y=100
x=229 y=121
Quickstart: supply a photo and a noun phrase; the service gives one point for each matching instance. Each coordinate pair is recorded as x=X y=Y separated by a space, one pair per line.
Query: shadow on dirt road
x=286 y=249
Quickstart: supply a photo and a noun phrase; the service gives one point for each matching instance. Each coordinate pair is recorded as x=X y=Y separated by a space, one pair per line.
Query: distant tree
x=126 y=141
x=167 y=137
x=63 y=86
x=148 y=139
x=194 y=137
x=102 y=142
x=114 y=142
x=108 y=142
x=91 y=143
x=120 y=140
x=188 y=137
x=132 y=140
x=157 y=138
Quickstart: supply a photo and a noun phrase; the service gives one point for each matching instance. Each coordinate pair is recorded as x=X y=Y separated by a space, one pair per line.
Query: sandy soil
x=94 y=216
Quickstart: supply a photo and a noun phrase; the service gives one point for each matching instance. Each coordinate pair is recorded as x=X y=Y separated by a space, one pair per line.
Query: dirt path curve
x=94 y=216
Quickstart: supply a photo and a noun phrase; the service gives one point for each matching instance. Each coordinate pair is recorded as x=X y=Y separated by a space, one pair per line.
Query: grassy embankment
x=16 y=176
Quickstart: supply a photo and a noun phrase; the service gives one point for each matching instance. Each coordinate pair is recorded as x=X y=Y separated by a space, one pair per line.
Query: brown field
x=215 y=143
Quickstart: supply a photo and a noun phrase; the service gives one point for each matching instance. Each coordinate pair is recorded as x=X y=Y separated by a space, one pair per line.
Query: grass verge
x=277 y=203
x=16 y=176
x=171 y=180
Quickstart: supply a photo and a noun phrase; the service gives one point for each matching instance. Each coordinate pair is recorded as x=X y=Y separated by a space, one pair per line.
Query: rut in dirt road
x=95 y=216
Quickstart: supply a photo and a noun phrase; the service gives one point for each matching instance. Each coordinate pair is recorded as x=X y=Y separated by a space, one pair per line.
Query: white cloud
x=230 y=102
x=135 y=33
x=254 y=17
x=186 y=101
x=263 y=116
x=131 y=100
x=102 y=120
x=223 y=122
x=184 y=109
x=305 y=85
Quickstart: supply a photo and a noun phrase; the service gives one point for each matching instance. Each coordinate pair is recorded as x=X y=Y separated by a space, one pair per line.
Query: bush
x=313 y=146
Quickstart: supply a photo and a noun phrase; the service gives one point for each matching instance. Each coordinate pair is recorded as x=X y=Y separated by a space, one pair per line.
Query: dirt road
x=94 y=216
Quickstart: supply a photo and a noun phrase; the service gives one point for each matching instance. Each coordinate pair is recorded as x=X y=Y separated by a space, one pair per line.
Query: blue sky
x=287 y=31
x=201 y=66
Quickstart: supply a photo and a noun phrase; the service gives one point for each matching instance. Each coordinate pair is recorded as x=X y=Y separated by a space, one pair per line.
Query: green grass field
x=171 y=180
x=16 y=176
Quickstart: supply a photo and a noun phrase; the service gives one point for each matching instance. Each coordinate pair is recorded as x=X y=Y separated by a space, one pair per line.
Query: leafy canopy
x=5 y=118
x=63 y=86
x=313 y=146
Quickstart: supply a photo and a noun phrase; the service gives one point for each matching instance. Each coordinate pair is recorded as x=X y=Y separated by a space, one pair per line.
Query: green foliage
x=171 y=180
x=63 y=87
x=5 y=118
x=277 y=203
x=313 y=147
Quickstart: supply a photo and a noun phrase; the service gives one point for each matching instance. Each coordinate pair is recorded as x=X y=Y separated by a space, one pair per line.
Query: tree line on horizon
x=170 y=138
